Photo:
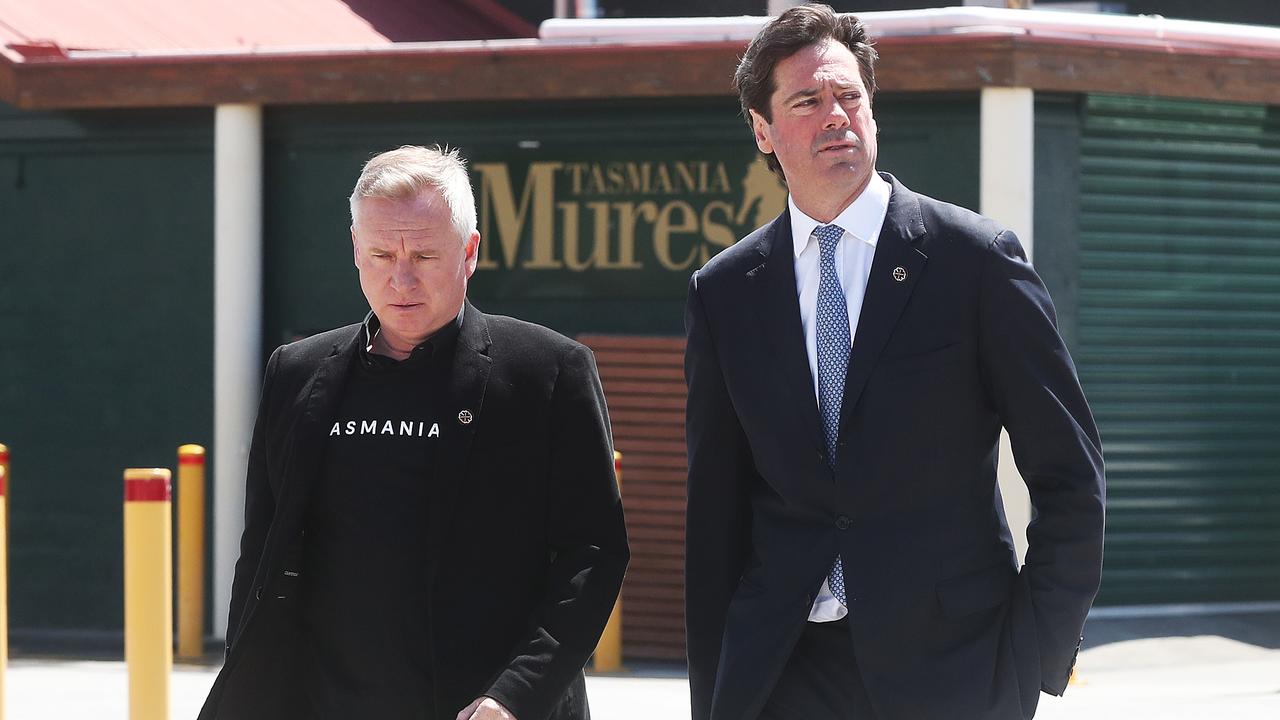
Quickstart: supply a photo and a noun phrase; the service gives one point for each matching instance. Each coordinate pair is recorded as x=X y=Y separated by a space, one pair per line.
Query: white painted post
x=237 y=330
x=777 y=7
x=1007 y=175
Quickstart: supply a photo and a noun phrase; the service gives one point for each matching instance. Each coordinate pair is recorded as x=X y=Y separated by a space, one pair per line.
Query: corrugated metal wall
x=1179 y=344
x=106 y=343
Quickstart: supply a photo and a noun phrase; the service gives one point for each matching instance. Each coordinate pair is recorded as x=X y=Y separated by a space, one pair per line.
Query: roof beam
x=523 y=70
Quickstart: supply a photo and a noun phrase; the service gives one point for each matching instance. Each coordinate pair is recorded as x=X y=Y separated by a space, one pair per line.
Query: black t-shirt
x=365 y=569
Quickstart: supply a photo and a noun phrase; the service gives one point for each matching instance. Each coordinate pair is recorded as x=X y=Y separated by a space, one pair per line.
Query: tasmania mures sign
x=619 y=217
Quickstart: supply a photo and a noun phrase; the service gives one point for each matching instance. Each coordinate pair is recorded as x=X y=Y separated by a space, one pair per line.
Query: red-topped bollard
x=4 y=572
x=190 y=552
x=608 y=655
x=148 y=591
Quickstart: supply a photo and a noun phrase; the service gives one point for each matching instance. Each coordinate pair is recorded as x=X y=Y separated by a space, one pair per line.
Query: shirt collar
x=862 y=218
x=441 y=340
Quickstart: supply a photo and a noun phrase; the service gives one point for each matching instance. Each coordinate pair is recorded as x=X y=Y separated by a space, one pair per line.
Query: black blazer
x=942 y=621
x=519 y=597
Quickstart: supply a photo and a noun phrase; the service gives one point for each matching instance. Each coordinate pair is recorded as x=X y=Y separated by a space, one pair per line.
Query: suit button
x=257 y=593
x=843 y=522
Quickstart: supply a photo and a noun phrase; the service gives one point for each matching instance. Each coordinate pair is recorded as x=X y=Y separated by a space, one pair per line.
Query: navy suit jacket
x=957 y=339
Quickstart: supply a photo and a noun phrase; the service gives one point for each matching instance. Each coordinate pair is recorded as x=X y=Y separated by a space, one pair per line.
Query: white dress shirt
x=861 y=222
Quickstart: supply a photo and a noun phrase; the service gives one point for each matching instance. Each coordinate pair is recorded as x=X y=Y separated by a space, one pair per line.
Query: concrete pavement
x=1222 y=666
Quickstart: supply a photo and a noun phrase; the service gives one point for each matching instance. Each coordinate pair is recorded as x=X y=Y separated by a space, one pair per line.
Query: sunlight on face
x=413 y=266
x=823 y=133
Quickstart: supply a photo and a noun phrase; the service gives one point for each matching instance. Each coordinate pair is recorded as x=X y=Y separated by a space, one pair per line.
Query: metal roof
x=52 y=27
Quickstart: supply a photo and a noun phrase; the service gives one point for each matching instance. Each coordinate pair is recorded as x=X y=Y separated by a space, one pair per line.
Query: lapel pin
x=465 y=417
x=899 y=274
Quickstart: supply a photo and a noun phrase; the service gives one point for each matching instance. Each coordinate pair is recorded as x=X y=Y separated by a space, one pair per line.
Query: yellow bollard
x=608 y=657
x=4 y=463
x=190 y=552
x=4 y=572
x=148 y=591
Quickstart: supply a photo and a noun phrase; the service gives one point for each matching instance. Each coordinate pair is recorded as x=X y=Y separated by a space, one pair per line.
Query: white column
x=237 y=330
x=777 y=7
x=1007 y=173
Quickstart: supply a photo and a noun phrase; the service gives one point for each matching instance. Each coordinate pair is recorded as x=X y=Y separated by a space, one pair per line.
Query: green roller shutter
x=1179 y=344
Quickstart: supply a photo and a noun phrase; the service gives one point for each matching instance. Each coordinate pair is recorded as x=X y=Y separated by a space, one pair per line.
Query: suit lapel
x=897 y=266
x=306 y=447
x=462 y=413
x=778 y=307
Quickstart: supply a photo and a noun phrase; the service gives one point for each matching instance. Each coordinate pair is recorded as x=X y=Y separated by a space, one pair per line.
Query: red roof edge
x=503 y=18
x=39 y=50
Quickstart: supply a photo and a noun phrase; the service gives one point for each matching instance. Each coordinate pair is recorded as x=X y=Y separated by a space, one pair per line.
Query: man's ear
x=760 y=128
x=472 y=252
x=355 y=247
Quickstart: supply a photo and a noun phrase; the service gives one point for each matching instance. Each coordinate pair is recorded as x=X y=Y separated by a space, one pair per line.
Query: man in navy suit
x=850 y=367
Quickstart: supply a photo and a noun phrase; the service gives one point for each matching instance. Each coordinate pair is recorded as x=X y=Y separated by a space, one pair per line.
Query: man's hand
x=485 y=708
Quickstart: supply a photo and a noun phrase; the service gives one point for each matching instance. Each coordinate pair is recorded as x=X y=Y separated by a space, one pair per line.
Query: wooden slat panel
x=633 y=430
x=658 y=533
x=631 y=357
x=649 y=460
x=654 y=491
x=627 y=415
x=633 y=343
x=642 y=373
x=656 y=447
x=643 y=380
x=661 y=505
x=656 y=476
x=643 y=388
x=642 y=402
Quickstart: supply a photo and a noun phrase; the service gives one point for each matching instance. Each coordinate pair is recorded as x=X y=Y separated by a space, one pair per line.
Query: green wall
x=105 y=340
x=1179 y=343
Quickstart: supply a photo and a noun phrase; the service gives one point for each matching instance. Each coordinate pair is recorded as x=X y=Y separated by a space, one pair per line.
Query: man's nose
x=836 y=116
x=402 y=276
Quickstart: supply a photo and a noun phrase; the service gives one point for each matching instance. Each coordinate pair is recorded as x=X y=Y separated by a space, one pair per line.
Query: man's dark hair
x=787 y=34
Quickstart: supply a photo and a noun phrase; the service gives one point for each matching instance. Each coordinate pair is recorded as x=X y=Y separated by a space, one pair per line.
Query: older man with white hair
x=432 y=527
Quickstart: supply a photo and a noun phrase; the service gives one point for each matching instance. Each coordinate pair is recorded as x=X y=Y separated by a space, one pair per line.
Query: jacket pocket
x=915 y=363
x=975 y=591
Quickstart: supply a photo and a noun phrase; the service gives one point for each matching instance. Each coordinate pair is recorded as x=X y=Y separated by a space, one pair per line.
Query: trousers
x=821 y=680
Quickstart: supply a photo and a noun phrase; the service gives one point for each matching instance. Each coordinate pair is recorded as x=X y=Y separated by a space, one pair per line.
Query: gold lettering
x=638 y=178
x=497 y=201
x=595 y=181
x=616 y=177
x=666 y=226
x=663 y=182
x=628 y=214
x=720 y=180
x=575 y=170
x=684 y=177
x=715 y=233
x=569 y=223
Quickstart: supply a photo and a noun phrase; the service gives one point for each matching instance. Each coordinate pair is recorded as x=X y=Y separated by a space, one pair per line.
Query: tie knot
x=828 y=236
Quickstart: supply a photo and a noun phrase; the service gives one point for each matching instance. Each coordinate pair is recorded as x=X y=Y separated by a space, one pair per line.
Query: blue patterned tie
x=833 y=359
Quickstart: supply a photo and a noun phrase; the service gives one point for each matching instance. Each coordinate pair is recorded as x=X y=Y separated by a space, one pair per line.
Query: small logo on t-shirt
x=398 y=428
